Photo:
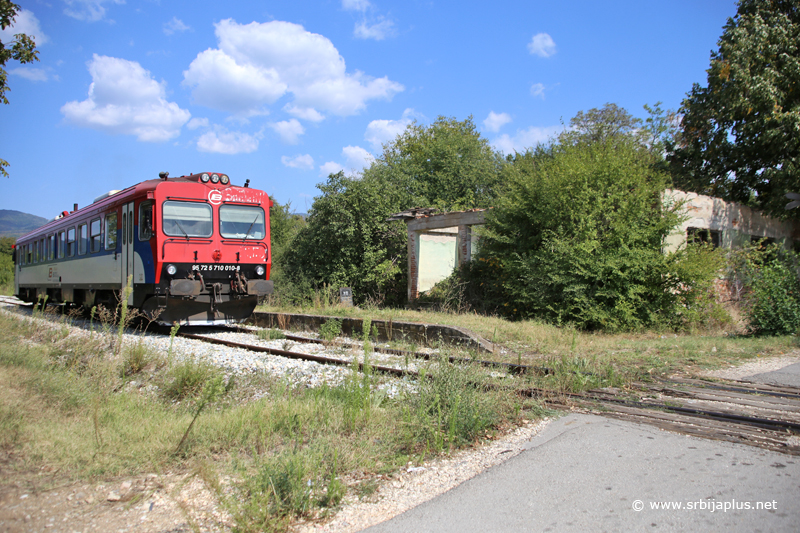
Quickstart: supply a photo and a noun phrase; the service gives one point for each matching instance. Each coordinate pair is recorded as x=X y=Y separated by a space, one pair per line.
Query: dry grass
x=634 y=355
x=66 y=405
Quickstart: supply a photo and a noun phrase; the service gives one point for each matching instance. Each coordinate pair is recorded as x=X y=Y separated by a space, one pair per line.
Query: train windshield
x=241 y=222
x=186 y=219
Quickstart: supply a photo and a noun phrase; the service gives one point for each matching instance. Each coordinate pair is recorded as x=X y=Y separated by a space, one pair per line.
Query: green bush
x=187 y=378
x=773 y=299
x=330 y=329
x=451 y=406
x=577 y=239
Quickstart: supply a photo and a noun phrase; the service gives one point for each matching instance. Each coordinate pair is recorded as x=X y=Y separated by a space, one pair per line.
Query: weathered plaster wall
x=437 y=258
x=736 y=223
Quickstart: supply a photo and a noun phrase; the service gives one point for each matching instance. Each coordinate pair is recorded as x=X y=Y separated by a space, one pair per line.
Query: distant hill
x=17 y=223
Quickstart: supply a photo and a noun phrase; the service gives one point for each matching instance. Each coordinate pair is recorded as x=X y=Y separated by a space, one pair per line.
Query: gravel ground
x=238 y=361
x=759 y=365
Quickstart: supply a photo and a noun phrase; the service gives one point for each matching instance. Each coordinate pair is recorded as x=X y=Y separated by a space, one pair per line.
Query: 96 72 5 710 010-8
x=194 y=249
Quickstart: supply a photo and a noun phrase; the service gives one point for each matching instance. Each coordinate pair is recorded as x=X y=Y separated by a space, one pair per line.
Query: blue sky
x=282 y=93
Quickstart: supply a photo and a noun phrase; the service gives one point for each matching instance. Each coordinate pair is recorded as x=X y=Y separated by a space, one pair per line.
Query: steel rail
x=297 y=355
x=765 y=423
x=510 y=367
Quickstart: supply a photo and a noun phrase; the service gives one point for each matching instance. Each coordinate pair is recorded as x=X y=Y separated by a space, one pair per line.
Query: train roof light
x=204 y=178
x=214 y=178
x=224 y=179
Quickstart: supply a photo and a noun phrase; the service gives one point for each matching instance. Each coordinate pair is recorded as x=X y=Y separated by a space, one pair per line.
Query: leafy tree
x=22 y=49
x=601 y=125
x=447 y=165
x=740 y=137
x=577 y=239
x=347 y=241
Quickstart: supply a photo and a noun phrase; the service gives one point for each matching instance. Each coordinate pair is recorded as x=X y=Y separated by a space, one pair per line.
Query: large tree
x=22 y=49
x=348 y=241
x=740 y=137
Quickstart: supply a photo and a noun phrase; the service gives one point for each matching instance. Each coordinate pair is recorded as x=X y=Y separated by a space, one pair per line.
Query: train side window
x=60 y=244
x=83 y=235
x=30 y=253
x=35 y=247
x=124 y=227
x=94 y=234
x=111 y=231
x=71 y=242
x=51 y=247
x=145 y=221
x=42 y=252
x=21 y=254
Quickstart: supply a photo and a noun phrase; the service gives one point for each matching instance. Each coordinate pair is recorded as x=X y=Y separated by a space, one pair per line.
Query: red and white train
x=194 y=249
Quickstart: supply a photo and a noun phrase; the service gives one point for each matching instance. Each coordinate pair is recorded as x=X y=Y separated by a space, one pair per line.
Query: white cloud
x=124 y=98
x=289 y=130
x=24 y=22
x=29 y=73
x=537 y=89
x=542 y=45
x=197 y=123
x=525 y=139
x=357 y=158
x=246 y=87
x=331 y=167
x=378 y=31
x=88 y=10
x=355 y=5
x=379 y=132
x=260 y=62
x=222 y=141
x=174 y=26
x=303 y=162
x=306 y=113
x=495 y=121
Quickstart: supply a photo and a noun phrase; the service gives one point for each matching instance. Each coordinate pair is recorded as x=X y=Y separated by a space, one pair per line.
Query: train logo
x=214 y=197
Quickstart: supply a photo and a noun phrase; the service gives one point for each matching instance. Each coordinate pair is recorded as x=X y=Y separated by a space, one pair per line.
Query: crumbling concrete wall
x=734 y=224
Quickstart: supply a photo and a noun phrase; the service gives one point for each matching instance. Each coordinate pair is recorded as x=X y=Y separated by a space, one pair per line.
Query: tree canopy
x=740 y=137
x=22 y=49
x=577 y=238
x=347 y=241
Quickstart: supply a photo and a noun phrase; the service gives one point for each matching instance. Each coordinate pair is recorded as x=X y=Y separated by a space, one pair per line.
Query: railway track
x=735 y=411
x=753 y=414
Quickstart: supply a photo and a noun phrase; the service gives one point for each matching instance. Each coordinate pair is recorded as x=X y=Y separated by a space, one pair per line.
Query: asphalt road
x=589 y=473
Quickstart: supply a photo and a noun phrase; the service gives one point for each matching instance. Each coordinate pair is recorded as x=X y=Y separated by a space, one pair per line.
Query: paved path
x=589 y=473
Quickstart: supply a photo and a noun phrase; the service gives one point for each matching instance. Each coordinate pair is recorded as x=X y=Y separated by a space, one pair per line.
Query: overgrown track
x=735 y=411
x=508 y=367
x=747 y=413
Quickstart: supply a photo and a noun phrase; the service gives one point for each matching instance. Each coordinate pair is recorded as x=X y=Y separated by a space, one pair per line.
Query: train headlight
x=260 y=270
x=204 y=178
x=172 y=270
x=224 y=179
x=214 y=178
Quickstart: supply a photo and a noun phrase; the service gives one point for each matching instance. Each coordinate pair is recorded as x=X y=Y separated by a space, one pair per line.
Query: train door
x=127 y=247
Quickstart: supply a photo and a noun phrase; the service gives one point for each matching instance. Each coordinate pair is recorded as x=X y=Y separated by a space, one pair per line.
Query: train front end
x=211 y=248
